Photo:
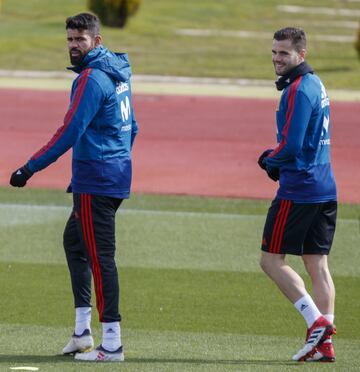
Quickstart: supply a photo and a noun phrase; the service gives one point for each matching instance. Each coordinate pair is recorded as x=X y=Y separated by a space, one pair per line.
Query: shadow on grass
x=38 y=359
x=211 y=361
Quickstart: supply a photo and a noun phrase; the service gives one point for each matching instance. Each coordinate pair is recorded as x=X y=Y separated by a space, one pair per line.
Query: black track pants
x=89 y=243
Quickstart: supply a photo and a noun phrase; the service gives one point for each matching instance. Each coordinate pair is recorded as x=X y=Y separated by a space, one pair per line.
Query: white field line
x=353 y=25
x=317 y=10
x=34 y=207
x=155 y=79
x=258 y=35
x=46 y=208
x=150 y=212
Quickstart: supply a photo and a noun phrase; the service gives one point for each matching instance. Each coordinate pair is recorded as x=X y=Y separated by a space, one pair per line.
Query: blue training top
x=100 y=126
x=303 y=151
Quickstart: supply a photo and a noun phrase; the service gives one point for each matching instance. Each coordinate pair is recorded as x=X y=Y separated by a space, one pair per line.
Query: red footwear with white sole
x=317 y=334
x=324 y=352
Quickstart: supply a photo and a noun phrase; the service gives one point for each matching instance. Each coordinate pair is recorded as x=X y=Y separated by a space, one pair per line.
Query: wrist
x=27 y=170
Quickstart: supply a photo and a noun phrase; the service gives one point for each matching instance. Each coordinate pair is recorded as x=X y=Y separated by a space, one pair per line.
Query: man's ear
x=302 y=53
x=98 y=40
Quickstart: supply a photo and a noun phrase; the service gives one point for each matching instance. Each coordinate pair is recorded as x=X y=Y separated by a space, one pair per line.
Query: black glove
x=261 y=162
x=20 y=176
x=273 y=173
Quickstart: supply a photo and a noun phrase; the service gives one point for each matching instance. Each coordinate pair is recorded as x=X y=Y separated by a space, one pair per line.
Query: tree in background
x=114 y=13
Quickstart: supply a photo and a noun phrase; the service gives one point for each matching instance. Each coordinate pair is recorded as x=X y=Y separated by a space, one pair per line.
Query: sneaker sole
x=86 y=350
x=121 y=359
x=324 y=359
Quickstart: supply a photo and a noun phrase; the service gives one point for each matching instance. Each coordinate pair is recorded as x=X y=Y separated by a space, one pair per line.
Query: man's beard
x=77 y=59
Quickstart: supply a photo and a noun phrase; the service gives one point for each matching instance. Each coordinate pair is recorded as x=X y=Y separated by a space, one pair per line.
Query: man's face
x=285 y=57
x=80 y=43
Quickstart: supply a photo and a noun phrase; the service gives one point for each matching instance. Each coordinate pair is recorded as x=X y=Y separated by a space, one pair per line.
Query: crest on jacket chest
x=121 y=87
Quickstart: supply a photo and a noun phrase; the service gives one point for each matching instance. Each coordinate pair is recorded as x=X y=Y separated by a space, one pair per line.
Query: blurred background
x=200 y=38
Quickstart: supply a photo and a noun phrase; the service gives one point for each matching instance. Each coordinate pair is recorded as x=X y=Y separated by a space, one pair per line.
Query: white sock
x=307 y=308
x=82 y=319
x=330 y=318
x=111 y=336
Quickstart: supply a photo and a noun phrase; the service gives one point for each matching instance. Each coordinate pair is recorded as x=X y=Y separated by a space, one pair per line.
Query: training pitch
x=192 y=295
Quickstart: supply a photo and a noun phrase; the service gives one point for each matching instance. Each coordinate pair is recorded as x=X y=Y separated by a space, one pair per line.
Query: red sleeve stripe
x=69 y=115
x=289 y=114
x=77 y=96
x=89 y=237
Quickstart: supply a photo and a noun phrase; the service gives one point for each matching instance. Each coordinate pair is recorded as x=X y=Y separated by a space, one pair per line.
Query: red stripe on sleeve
x=69 y=115
x=77 y=96
x=289 y=114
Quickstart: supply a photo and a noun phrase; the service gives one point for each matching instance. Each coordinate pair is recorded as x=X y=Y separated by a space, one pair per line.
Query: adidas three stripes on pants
x=89 y=243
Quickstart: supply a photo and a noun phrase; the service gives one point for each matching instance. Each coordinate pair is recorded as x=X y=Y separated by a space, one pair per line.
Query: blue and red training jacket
x=303 y=135
x=99 y=125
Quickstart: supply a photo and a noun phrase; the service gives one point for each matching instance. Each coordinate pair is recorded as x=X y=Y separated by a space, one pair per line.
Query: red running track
x=186 y=145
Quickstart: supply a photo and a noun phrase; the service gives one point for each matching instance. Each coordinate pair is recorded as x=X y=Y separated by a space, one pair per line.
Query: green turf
x=32 y=37
x=171 y=300
x=179 y=239
x=192 y=295
x=154 y=351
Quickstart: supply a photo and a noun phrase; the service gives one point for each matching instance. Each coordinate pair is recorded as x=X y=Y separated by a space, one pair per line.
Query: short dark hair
x=295 y=35
x=84 y=21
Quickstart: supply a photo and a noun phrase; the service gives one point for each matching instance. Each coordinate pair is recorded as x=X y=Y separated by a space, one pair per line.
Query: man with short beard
x=100 y=127
x=301 y=220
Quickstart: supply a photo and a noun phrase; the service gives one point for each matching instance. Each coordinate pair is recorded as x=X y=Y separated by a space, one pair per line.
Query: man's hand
x=261 y=161
x=20 y=176
x=273 y=173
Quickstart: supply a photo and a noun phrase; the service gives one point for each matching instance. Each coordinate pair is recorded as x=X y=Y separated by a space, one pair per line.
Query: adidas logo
x=110 y=330
x=303 y=307
x=100 y=356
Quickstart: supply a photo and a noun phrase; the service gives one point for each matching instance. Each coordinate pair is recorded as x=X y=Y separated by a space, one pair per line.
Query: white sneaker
x=101 y=355
x=79 y=344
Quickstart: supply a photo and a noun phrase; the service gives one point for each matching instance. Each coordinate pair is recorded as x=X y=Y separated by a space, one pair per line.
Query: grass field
x=32 y=37
x=192 y=295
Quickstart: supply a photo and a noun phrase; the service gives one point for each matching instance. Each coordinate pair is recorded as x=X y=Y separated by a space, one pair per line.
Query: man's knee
x=269 y=261
x=69 y=241
x=263 y=262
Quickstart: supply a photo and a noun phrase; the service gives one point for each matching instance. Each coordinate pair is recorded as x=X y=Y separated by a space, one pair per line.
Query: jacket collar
x=92 y=55
x=301 y=69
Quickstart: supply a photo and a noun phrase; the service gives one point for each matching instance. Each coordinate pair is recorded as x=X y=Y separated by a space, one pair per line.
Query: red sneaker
x=317 y=334
x=324 y=352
